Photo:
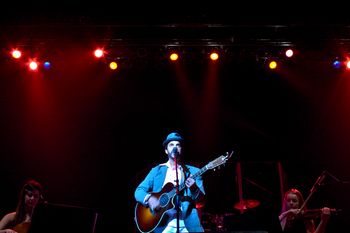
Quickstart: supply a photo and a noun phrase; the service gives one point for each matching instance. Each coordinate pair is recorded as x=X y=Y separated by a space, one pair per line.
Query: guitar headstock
x=220 y=160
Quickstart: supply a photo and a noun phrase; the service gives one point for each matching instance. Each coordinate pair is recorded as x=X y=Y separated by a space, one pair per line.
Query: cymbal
x=246 y=204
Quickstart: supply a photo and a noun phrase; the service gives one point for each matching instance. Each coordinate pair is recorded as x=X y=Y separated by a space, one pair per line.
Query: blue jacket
x=153 y=183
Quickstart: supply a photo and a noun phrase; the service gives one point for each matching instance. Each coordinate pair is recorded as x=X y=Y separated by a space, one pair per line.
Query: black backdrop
x=90 y=135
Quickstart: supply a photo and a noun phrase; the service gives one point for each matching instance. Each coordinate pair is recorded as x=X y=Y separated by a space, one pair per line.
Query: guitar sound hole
x=163 y=200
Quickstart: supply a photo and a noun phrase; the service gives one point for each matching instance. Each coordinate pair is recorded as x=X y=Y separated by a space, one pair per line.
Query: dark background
x=90 y=135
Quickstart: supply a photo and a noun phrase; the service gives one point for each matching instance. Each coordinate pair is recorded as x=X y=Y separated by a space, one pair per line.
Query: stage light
x=47 y=65
x=16 y=53
x=174 y=56
x=172 y=53
x=214 y=52
x=99 y=53
x=337 y=63
x=214 y=56
x=33 y=65
x=272 y=64
x=289 y=53
x=348 y=64
x=113 y=65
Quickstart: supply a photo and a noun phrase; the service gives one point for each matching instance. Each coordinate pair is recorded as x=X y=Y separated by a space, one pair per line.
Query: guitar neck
x=194 y=176
x=217 y=162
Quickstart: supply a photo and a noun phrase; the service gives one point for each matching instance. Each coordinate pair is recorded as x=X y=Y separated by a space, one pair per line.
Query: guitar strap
x=187 y=174
x=186 y=198
x=186 y=171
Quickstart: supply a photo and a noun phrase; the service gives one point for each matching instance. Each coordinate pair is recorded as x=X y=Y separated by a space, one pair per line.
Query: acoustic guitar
x=22 y=227
x=147 y=220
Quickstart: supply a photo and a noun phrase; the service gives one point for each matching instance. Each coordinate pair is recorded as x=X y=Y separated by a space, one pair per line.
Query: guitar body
x=22 y=227
x=146 y=219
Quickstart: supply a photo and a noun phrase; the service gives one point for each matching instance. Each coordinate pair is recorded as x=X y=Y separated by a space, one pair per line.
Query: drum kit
x=246 y=204
x=216 y=222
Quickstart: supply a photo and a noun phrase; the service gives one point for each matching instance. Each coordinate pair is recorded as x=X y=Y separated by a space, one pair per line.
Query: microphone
x=175 y=151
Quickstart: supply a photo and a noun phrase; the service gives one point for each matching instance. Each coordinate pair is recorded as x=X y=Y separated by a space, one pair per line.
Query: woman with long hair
x=295 y=220
x=19 y=220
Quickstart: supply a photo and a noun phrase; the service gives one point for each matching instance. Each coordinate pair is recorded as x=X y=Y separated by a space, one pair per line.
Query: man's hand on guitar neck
x=191 y=183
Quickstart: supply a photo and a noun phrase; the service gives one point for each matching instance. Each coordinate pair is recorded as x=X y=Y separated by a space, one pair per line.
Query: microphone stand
x=337 y=179
x=318 y=182
x=177 y=201
x=314 y=188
